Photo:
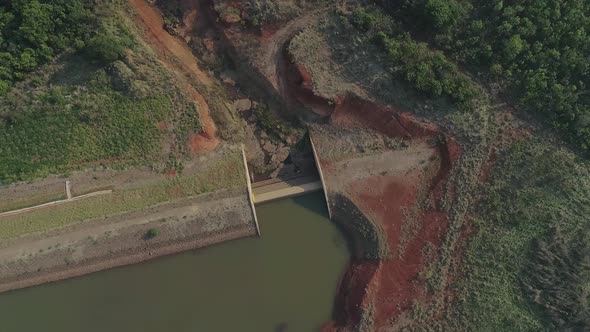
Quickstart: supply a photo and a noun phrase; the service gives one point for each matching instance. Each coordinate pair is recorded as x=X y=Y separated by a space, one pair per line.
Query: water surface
x=284 y=281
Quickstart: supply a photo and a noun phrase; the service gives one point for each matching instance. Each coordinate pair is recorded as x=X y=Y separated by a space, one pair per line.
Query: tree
x=442 y=13
x=513 y=47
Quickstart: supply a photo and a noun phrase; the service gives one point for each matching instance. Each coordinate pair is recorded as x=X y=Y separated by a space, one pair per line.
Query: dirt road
x=271 y=60
x=178 y=57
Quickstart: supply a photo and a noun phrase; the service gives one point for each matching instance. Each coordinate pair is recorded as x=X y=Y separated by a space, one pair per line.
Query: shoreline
x=120 y=240
x=132 y=257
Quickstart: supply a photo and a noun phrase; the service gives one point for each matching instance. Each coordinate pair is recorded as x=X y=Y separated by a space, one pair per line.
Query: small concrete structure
x=319 y=167
x=250 y=195
x=268 y=191
x=69 y=189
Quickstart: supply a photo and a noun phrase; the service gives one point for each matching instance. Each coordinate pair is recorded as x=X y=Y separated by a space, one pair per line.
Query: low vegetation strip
x=53 y=203
x=536 y=189
x=226 y=173
x=32 y=200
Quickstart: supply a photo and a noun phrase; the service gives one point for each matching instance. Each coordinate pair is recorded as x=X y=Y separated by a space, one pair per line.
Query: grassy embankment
x=226 y=173
x=536 y=188
x=99 y=98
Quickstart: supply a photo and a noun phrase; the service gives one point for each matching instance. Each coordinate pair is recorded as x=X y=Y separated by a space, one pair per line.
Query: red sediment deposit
x=203 y=142
x=385 y=288
x=353 y=112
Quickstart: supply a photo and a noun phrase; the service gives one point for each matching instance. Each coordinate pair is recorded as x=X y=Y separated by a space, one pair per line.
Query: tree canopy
x=537 y=50
x=32 y=32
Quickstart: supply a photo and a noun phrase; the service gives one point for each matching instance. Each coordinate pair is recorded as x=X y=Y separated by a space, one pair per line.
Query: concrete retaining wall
x=319 y=167
x=250 y=196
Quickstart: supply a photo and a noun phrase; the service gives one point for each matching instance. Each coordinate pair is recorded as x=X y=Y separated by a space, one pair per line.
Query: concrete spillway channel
x=275 y=189
x=271 y=190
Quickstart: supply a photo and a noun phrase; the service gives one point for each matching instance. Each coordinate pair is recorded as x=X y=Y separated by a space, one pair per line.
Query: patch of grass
x=23 y=202
x=226 y=173
x=534 y=188
x=261 y=12
x=557 y=280
x=99 y=125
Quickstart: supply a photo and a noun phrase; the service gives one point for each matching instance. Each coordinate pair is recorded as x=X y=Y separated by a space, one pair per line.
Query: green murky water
x=285 y=281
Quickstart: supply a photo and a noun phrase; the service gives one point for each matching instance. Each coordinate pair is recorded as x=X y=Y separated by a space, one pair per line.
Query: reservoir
x=284 y=281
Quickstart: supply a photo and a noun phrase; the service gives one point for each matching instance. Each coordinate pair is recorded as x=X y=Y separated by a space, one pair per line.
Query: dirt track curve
x=271 y=61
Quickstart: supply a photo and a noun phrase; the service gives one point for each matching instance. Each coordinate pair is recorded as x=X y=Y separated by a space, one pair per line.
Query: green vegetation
x=425 y=70
x=151 y=233
x=557 y=281
x=109 y=101
x=260 y=12
x=536 y=51
x=172 y=12
x=525 y=267
x=109 y=43
x=271 y=123
x=513 y=284
x=225 y=173
x=33 y=32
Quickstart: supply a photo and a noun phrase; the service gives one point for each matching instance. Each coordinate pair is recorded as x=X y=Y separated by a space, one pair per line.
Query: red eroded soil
x=300 y=88
x=394 y=283
x=353 y=112
x=202 y=142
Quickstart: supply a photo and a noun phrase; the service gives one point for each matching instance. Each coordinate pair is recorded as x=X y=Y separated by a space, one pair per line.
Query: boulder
x=242 y=105
x=268 y=147
x=282 y=152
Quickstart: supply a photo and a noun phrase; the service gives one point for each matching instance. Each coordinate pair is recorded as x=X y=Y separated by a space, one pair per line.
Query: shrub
x=109 y=43
x=363 y=20
x=151 y=233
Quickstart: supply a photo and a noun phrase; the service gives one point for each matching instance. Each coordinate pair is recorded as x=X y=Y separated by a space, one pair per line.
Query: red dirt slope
x=389 y=195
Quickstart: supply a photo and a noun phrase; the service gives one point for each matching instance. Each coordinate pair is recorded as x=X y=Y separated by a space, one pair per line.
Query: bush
x=109 y=43
x=363 y=20
x=261 y=12
x=151 y=233
x=536 y=50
